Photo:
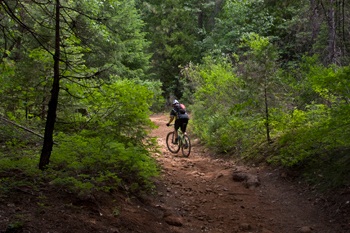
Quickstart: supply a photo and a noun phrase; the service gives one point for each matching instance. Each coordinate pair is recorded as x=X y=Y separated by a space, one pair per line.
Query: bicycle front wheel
x=186 y=147
x=170 y=143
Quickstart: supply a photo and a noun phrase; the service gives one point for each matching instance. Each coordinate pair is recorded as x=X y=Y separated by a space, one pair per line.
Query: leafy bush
x=309 y=126
x=107 y=149
x=112 y=151
x=223 y=115
x=86 y=163
x=318 y=137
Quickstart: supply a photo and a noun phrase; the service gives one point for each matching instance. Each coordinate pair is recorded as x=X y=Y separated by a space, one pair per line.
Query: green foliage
x=236 y=19
x=18 y=170
x=265 y=82
x=320 y=143
x=112 y=152
x=157 y=103
x=96 y=41
x=84 y=163
x=116 y=39
x=307 y=120
x=222 y=107
x=331 y=83
x=120 y=109
x=317 y=137
x=330 y=172
x=301 y=137
x=172 y=28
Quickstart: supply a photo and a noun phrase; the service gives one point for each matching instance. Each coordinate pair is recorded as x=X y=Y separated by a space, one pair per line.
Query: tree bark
x=52 y=107
x=267 y=120
x=332 y=33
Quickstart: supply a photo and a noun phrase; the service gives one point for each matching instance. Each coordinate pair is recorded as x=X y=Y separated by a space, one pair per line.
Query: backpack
x=180 y=109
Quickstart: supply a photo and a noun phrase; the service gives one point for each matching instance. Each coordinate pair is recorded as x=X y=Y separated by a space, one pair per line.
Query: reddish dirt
x=200 y=194
x=195 y=194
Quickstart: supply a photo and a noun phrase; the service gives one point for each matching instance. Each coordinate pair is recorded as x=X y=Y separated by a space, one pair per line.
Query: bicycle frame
x=183 y=142
x=180 y=136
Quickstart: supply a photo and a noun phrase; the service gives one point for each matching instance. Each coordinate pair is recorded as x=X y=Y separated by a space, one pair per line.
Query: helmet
x=176 y=102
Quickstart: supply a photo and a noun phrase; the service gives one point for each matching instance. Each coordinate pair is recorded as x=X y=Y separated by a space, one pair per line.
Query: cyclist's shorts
x=181 y=123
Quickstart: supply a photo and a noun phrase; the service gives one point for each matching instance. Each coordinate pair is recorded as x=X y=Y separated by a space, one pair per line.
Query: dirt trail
x=198 y=194
x=195 y=194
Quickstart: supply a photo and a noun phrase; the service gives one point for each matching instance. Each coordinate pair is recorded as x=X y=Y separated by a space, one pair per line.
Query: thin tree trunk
x=267 y=123
x=332 y=33
x=215 y=13
x=52 y=108
x=330 y=14
x=314 y=19
x=344 y=52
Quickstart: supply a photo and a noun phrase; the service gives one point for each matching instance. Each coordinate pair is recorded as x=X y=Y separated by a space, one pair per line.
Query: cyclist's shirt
x=181 y=119
x=177 y=114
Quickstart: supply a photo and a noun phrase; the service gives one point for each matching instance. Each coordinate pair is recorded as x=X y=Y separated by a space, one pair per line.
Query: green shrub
x=223 y=111
x=96 y=163
x=105 y=150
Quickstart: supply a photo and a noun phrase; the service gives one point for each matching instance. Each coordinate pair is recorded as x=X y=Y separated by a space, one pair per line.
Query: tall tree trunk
x=342 y=26
x=52 y=108
x=332 y=33
x=314 y=19
x=267 y=114
x=215 y=13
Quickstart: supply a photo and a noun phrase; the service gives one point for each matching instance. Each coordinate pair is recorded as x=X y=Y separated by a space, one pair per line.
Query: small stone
x=239 y=177
x=305 y=229
x=174 y=220
x=245 y=227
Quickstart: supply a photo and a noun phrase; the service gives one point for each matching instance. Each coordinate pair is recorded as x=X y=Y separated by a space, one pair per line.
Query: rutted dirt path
x=198 y=194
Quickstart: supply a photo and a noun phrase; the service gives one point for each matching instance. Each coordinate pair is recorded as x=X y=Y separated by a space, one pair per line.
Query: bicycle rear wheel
x=186 y=148
x=170 y=143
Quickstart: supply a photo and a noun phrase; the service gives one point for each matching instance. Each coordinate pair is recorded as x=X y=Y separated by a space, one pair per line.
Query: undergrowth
x=79 y=165
x=305 y=128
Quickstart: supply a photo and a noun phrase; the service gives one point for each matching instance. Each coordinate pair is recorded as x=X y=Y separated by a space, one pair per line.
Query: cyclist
x=181 y=118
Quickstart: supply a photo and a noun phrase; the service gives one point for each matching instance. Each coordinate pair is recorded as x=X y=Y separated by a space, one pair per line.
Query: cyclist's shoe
x=186 y=146
x=175 y=142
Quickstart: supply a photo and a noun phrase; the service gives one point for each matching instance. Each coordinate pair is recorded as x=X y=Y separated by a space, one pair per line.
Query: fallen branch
x=22 y=127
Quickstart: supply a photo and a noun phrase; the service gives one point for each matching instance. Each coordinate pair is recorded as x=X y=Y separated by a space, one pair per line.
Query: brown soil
x=201 y=193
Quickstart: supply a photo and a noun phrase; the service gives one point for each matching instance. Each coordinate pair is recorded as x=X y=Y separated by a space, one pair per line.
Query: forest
x=265 y=81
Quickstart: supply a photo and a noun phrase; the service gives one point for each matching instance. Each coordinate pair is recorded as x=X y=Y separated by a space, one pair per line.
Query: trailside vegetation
x=265 y=80
x=274 y=87
x=73 y=73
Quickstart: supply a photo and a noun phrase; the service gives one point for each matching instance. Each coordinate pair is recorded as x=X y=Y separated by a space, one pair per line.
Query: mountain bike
x=183 y=142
